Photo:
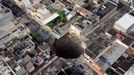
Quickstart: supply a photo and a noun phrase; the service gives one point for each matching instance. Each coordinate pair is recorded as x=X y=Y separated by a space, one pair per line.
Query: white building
x=26 y=3
x=124 y=23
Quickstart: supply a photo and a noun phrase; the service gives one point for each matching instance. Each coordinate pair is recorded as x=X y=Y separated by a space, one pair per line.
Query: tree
x=36 y=37
x=110 y=71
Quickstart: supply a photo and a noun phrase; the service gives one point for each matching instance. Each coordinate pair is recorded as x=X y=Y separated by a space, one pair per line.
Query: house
x=26 y=59
x=20 y=70
x=30 y=67
x=39 y=60
x=44 y=47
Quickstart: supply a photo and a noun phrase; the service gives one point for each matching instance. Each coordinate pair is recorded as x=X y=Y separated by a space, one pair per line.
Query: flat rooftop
x=111 y=54
x=125 y=39
x=98 y=46
x=125 y=61
x=5 y=69
x=11 y=31
x=106 y=8
x=124 y=22
x=7 y=29
x=130 y=71
x=3 y=10
x=101 y=10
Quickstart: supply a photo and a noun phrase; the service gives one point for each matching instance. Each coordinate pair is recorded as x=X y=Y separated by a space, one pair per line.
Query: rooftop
x=5 y=15
x=98 y=46
x=125 y=61
x=27 y=58
x=10 y=30
x=5 y=69
x=29 y=66
x=125 y=39
x=130 y=71
x=84 y=12
x=53 y=16
x=7 y=29
x=27 y=3
x=111 y=54
x=3 y=10
x=124 y=22
x=102 y=10
x=44 y=47
x=106 y=8
x=56 y=6
x=20 y=70
x=87 y=14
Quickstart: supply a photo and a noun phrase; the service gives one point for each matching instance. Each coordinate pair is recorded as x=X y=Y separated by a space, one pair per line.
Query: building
x=97 y=13
x=87 y=14
x=128 y=2
x=83 y=25
x=19 y=70
x=84 y=12
x=43 y=14
x=26 y=59
x=130 y=71
x=95 y=48
x=26 y=3
x=30 y=67
x=44 y=47
x=5 y=69
x=5 y=15
x=120 y=36
x=125 y=24
x=9 y=27
x=10 y=31
x=124 y=62
x=57 y=5
x=104 y=10
x=105 y=59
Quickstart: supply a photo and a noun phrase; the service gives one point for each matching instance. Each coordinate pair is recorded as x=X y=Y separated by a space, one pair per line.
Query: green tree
x=36 y=37
x=110 y=71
